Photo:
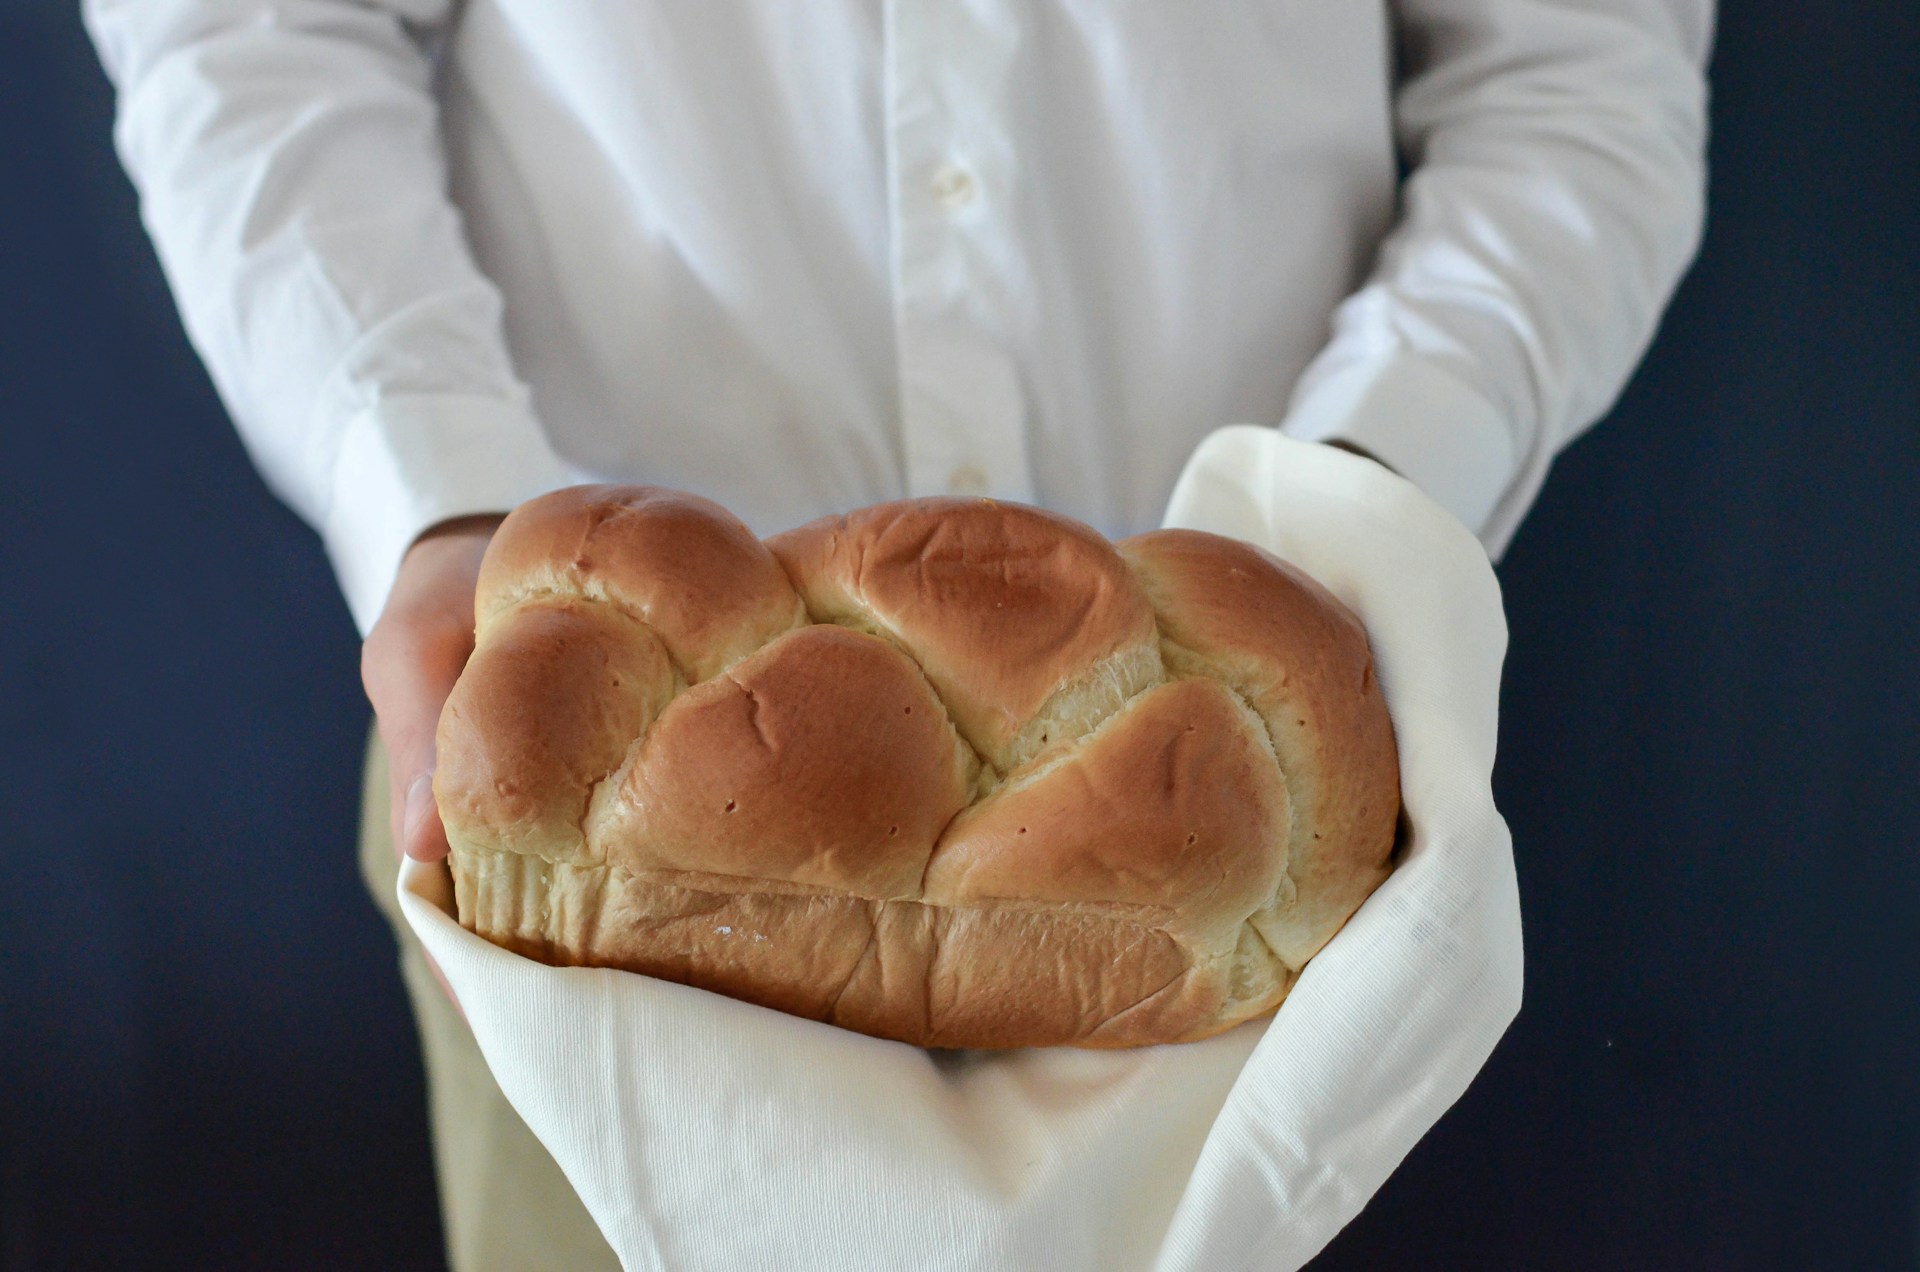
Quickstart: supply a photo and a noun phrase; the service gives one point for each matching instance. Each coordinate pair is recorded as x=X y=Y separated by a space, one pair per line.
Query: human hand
x=409 y=663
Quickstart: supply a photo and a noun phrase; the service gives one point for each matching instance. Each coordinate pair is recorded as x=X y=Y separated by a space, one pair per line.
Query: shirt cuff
x=1420 y=421
x=410 y=463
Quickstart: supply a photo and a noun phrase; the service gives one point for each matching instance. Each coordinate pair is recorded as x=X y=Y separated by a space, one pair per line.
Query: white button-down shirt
x=801 y=257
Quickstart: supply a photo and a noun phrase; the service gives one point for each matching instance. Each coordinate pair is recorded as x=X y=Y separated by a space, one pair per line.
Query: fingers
x=422 y=836
x=409 y=664
x=409 y=671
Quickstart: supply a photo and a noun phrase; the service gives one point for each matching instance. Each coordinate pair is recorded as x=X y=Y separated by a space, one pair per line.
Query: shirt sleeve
x=1555 y=195
x=288 y=160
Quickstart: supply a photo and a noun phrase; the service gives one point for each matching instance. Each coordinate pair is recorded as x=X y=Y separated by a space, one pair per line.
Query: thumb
x=408 y=722
x=409 y=664
x=423 y=836
x=410 y=669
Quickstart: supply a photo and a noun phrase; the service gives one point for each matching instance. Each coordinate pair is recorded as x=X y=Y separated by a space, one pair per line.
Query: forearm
x=288 y=158
x=1555 y=198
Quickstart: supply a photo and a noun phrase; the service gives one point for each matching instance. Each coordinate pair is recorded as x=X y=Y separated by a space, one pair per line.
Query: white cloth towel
x=702 y=1132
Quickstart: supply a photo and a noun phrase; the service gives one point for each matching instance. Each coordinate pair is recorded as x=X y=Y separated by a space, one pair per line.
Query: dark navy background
x=1708 y=754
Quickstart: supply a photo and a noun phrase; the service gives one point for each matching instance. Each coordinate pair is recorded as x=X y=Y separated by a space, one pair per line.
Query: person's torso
x=805 y=257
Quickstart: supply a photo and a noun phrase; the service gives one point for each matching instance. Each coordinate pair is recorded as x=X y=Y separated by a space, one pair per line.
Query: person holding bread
x=443 y=257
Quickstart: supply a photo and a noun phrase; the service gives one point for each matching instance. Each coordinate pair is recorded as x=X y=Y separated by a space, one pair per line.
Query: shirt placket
x=963 y=411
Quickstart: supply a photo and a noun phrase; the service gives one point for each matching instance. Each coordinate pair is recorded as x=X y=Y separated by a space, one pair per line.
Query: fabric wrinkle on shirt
x=804 y=258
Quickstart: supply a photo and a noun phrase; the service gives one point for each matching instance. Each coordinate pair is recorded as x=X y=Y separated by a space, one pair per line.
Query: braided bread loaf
x=955 y=772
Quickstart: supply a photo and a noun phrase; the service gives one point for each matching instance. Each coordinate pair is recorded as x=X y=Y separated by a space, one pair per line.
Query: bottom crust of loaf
x=995 y=976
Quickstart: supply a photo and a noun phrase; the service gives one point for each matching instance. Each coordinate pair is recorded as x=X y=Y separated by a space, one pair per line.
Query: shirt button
x=968 y=479
x=954 y=186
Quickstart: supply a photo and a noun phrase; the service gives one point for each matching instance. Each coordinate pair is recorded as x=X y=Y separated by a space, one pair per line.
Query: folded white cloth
x=702 y=1132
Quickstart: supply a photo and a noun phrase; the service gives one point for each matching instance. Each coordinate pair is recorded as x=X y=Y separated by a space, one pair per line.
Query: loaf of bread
x=955 y=772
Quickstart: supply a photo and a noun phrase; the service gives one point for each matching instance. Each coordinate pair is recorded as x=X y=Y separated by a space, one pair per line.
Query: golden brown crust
x=750 y=773
x=1009 y=786
x=683 y=565
x=547 y=707
x=1168 y=813
x=1001 y=605
x=1300 y=659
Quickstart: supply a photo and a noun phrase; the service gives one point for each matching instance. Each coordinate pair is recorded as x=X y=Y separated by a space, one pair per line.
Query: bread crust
x=959 y=773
